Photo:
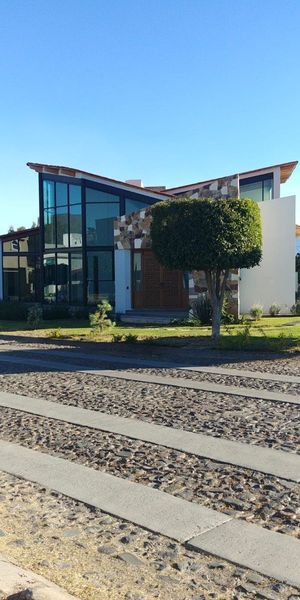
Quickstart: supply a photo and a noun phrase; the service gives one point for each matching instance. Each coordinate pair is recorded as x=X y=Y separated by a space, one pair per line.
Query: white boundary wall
x=274 y=279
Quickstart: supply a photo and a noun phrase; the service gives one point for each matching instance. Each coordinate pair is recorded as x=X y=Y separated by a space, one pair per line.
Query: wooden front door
x=154 y=286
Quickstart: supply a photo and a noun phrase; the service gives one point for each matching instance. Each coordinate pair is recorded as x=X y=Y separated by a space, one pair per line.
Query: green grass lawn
x=277 y=333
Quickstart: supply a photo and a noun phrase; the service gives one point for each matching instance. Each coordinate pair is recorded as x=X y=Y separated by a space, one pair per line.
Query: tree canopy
x=201 y=234
x=208 y=235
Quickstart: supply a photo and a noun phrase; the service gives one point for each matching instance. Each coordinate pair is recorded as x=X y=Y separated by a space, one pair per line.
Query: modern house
x=94 y=242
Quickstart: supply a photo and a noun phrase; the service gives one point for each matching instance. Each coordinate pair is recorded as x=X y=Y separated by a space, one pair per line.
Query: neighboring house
x=297 y=240
x=94 y=242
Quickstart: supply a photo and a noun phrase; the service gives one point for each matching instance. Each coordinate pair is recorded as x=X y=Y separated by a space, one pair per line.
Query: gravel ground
x=265 y=423
x=96 y=556
x=266 y=500
x=234 y=380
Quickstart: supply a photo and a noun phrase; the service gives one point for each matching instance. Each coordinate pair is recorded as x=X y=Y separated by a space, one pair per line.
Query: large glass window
x=75 y=225
x=62 y=278
x=48 y=194
x=92 y=195
x=74 y=194
x=100 y=223
x=257 y=189
x=61 y=194
x=62 y=227
x=133 y=205
x=11 y=278
x=49 y=278
x=62 y=203
x=27 y=278
x=11 y=246
x=100 y=276
x=29 y=243
x=49 y=228
x=76 y=279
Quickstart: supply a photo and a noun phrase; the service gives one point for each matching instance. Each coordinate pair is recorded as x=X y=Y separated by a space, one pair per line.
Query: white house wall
x=274 y=279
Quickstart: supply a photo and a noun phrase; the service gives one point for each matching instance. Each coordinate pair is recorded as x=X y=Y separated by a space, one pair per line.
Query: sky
x=168 y=91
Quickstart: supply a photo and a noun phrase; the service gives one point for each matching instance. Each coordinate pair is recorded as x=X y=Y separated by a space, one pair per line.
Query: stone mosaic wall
x=226 y=187
x=132 y=232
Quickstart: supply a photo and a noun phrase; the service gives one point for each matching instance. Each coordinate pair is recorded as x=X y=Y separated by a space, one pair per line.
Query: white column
x=122 y=280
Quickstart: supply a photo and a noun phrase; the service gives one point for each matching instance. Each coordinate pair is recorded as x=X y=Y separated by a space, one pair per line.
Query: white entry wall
x=274 y=279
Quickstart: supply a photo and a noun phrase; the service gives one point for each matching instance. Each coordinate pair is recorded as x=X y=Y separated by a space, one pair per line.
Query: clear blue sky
x=170 y=91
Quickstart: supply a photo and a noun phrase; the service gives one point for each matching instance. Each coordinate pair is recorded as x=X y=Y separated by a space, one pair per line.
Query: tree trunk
x=216 y=283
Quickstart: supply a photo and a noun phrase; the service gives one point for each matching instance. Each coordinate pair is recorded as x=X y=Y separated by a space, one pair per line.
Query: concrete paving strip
x=267 y=552
x=203 y=386
x=139 y=504
x=14 y=579
x=148 y=364
x=265 y=460
x=207 y=530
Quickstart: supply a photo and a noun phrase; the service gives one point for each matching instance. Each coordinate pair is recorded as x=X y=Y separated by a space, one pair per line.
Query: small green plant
x=256 y=311
x=202 y=309
x=99 y=320
x=117 y=338
x=34 y=316
x=130 y=338
x=56 y=333
x=274 y=309
x=295 y=309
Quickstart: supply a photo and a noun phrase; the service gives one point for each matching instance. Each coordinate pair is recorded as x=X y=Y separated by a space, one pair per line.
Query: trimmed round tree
x=208 y=235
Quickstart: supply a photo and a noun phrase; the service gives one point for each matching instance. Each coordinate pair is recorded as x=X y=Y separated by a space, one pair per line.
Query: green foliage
x=207 y=234
x=56 y=333
x=117 y=338
x=13 y=311
x=202 y=309
x=35 y=316
x=131 y=338
x=256 y=312
x=295 y=309
x=274 y=309
x=99 y=320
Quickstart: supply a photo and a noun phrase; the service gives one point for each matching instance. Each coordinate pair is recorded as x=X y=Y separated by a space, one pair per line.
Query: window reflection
x=100 y=224
x=100 y=276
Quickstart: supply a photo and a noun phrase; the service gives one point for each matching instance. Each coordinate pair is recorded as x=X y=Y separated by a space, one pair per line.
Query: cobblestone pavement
x=266 y=500
x=261 y=422
x=100 y=557
x=96 y=556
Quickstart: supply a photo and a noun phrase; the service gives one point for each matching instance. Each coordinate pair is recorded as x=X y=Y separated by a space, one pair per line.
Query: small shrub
x=202 y=309
x=35 y=316
x=56 y=333
x=99 y=320
x=130 y=338
x=274 y=309
x=256 y=311
x=117 y=338
x=295 y=309
x=226 y=317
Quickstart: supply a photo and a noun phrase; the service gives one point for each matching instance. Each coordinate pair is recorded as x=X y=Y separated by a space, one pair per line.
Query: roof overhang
x=286 y=170
x=78 y=173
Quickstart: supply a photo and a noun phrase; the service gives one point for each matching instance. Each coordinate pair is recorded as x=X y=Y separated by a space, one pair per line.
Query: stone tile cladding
x=226 y=187
x=132 y=232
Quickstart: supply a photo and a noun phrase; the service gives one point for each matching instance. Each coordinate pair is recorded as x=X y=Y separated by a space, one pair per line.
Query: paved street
x=148 y=477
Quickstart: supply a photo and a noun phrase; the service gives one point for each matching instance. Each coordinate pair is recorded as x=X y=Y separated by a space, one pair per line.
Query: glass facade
x=21 y=268
x=257 y=188
x=75 y=245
